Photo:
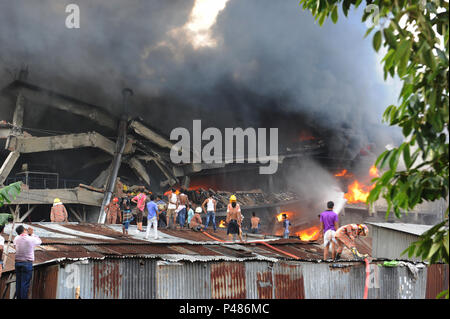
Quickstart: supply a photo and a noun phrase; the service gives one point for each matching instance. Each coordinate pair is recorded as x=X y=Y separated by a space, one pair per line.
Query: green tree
x=8 y=192
x=415 y=34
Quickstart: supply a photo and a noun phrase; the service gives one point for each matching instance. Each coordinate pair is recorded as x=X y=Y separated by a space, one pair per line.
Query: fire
x=357 y=193
x=306 y=136
x=222 y=224
x=373 y=171
x=341 y=173
x=309 y=234
x=280 y=216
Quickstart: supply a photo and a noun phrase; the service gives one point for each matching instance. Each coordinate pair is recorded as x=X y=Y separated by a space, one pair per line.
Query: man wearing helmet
x=112 y=211
x=346 y=235
x=58 y=214
x=234 y=218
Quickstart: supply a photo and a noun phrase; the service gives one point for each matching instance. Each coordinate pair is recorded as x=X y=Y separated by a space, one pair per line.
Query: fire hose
x=366 y=287
x=258 y=242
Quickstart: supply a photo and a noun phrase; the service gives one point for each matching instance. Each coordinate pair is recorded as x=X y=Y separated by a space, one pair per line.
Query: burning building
x=68 y=129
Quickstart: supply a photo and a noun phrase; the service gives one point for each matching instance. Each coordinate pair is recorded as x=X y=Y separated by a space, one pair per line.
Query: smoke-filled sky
x=224 y=63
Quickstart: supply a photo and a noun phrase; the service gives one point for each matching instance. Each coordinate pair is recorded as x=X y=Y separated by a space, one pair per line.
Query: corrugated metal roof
x=415 y=229
x=78 y=241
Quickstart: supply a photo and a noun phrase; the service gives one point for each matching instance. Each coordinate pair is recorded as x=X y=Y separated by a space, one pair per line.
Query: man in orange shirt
x=346 y=235
x=58 y=214
x=113 y=212
x=255 y=223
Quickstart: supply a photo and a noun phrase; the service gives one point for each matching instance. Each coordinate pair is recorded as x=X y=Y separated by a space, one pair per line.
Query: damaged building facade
x=61 y=147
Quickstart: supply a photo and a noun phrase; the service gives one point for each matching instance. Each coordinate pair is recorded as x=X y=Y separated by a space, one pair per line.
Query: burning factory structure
x=61 y=147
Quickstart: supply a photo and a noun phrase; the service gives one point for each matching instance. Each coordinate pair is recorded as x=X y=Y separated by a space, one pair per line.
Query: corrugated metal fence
x=133 y=278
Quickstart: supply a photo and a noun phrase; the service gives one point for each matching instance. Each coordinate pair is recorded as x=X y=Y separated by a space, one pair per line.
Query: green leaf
x=334 y=14
x=377 y=41
x=390 y=38
x=346 y=6
x=407 y=156
x=434 y=248
x=322 y=17
x=368 y=31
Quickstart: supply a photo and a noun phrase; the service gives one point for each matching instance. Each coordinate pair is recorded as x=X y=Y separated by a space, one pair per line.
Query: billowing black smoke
x=270 y=58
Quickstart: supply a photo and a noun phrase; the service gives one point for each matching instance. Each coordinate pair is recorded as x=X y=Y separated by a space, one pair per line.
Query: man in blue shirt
x=152 y=217
x=286 y=224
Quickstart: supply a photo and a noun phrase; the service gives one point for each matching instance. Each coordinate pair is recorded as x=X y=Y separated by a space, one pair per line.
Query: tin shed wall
x=389 y=244
x=228 y=280
x=259 y=281
x=437 y=280
x=108 y=279
x=333 y=281
x=146 y=278
x=183 y=280
x=288 y=280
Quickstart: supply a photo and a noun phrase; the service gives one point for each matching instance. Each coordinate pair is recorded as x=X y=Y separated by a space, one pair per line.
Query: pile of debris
x=252 y=198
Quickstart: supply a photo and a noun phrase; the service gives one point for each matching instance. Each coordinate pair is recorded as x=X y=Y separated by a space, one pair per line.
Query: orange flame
x=357 y=193
x=341 y=173
x=309 y=234
x=280 y=216
x=222 y=224
x=306 y=136
x=373 y=171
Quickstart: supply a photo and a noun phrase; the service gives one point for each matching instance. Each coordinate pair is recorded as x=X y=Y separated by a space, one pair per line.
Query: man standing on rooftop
x=329 y=222
x=152 y=218
x=58 y=213
x=24 y=244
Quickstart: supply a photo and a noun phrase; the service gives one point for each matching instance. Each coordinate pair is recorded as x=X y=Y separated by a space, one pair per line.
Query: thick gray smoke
x=270 y=55
x=314 y=183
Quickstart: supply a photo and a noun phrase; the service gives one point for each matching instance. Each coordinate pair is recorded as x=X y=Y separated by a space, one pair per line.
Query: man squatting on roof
x=346 y=235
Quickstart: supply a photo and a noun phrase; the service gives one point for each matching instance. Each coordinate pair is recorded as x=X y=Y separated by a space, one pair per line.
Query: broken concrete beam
x=67 y=196
x=101 y=179
x=46 y=97
x=92 y=188
x=8 y=165
x=151 y=135
x=61 y=142
x=139 y=169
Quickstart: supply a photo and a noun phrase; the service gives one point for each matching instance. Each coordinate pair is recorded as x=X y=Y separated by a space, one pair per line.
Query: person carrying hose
x=346 y=235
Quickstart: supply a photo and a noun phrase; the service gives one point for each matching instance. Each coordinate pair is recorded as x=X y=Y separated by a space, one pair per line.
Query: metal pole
x=120 y=146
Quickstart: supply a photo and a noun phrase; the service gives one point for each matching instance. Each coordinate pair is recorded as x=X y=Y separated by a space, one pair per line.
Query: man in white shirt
x=24 y=244
x=210 y=211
